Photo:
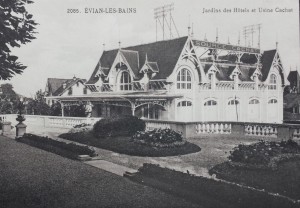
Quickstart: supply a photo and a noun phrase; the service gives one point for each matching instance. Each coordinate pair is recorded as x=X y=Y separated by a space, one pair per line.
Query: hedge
x=118 y=126
x=205 y=191
x=70 y=150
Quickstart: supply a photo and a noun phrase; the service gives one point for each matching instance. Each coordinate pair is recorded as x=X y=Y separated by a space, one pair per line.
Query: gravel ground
x=30 y=177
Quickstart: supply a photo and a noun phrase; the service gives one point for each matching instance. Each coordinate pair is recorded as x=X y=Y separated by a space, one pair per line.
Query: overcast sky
x=71 y=44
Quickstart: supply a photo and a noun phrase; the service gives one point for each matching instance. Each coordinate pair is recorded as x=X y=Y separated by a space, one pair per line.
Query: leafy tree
x=9 y=99
x=38 y=105
x=16 y=28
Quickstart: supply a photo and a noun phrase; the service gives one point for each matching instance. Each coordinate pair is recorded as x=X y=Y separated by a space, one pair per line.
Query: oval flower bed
x=159 y=138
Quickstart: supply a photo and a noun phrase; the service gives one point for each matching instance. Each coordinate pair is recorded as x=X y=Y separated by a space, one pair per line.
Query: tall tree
x=16 y=27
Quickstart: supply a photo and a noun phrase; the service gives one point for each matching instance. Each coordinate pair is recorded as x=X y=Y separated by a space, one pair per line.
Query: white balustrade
x=150 y=125
x=260 y=130
x=213 y=128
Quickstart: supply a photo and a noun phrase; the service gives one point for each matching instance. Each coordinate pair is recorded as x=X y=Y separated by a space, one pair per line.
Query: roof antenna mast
x=161 y=15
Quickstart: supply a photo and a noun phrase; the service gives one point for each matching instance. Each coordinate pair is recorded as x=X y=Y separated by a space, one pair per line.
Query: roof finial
x=217 y=35
x=228 y=40
x=276 y=45
x=192 y=30
x=239 y=40
x=189 y=26
x=103 y=46
x=146 y=58
x=119 y=44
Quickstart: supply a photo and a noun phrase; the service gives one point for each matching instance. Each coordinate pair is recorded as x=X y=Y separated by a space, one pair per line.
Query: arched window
x=233 y=102
x=210 y=103
x=254 y=101
x=125 y=81
x=184 y=103
x=184 y=79
x=272 y=101
x=273 y=82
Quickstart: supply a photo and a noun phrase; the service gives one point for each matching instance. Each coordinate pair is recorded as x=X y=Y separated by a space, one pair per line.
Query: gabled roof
x=224 y=73
x=246 y=73
x=132 y=57
x=53 y=84
x=69 y=83
x=267 y=60
x=165 y=53
x=153 y=66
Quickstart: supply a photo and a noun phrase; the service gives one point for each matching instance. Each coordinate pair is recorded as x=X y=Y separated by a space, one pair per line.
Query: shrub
x=55 y=146
x=159 y=138
x=81 y=128
x=119 y=126
x=262 y=152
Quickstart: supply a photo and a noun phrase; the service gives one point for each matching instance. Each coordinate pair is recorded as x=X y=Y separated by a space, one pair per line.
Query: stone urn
x=20 y=127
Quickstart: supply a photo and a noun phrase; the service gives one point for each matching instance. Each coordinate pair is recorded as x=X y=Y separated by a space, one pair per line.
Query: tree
x=16 y=27
x=9 y=99
x=38 y=105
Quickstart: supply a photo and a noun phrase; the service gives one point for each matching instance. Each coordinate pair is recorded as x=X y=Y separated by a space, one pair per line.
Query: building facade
x=185 y=79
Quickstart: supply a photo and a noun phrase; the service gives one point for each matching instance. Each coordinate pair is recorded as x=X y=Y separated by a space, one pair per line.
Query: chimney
x=64 y=85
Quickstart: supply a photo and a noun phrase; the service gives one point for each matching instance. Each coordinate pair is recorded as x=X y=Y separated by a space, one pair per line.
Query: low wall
x=194 y=129
x=50 y=121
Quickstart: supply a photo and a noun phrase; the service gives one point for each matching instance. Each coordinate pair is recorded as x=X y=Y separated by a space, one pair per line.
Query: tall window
x=273 y=82
x=184 y=80
x=85 y=90
x=125 y=81
x=70 y=91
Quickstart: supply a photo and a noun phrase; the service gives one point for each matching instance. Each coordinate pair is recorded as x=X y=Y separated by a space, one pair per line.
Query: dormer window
x=125 y=81
x=272 y=82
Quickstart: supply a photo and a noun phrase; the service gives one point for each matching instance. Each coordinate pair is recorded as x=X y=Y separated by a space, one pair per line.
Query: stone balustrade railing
x=50 y=121
x=261 y=130
x=213 y=128
x=188 y=129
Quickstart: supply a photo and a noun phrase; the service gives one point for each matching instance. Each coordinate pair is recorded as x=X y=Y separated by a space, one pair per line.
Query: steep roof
x=267 y=60
x=53 y=84
x=69 y=83
x=165 y=53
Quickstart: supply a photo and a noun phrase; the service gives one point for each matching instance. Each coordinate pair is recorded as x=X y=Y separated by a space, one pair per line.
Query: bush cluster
x=159 y=138
x=55 y=146
x=80 y=128
x=118 y=126
x=263 y=151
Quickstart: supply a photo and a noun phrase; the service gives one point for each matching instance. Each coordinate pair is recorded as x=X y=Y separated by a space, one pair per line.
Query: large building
x=185 y=79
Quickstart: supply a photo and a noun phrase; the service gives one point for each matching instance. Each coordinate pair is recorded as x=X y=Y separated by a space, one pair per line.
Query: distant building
x=171 y=80
x=65 y=87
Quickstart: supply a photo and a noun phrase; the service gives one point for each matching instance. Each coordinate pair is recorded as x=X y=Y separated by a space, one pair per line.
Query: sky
x=69 y=44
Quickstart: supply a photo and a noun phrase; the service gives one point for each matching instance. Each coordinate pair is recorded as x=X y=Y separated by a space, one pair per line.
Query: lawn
x=124 y=145
x=33 y=178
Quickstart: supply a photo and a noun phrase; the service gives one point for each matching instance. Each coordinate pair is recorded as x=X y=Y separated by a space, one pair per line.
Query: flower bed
x=70 y=150
x=159 y=138
x=205 y=191
x=125 y=145
x=262 y=152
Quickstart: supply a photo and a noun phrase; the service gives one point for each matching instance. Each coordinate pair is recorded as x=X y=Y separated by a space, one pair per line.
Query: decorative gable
x=236 y=72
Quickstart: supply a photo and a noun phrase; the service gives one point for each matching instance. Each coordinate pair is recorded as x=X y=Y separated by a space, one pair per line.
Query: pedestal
x=6 y=128
x=20 y=130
